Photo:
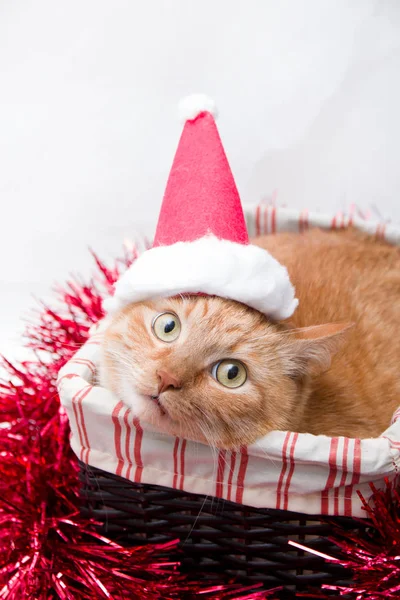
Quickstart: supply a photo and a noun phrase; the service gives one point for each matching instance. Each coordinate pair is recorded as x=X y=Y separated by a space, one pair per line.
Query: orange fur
x=348 y=277
x=332 y=370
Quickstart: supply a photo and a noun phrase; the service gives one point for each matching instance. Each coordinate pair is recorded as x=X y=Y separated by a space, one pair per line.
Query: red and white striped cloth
x=285 y=470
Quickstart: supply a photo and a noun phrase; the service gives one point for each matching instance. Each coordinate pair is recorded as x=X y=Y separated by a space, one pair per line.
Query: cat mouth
x=157 y=400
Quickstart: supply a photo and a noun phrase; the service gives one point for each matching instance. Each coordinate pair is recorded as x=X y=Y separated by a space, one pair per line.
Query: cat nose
x=167 y=381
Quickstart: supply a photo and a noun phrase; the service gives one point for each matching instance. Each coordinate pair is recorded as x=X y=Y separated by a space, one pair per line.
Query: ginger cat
x=214 y=370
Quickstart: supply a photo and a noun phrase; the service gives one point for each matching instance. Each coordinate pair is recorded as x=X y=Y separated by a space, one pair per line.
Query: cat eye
x=230 y=373
x=166 y=327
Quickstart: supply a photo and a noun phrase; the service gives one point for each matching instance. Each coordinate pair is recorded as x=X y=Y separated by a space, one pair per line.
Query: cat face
x=209 y=369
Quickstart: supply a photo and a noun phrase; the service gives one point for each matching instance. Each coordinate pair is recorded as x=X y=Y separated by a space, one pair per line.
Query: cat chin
x=150 y=413
x=153 y=415
x=143 y=407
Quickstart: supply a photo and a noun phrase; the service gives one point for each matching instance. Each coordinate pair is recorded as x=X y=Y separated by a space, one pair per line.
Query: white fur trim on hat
x=247 y=274
x=191 y=106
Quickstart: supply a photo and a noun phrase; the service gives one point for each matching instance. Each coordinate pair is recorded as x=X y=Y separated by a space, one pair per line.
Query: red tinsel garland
x=46 y=549
x=374 y=555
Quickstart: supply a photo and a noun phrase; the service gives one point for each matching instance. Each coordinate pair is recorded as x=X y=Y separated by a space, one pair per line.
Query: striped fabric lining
x=285 y=470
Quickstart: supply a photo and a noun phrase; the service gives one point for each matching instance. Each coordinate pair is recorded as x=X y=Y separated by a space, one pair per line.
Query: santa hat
x=201 y=243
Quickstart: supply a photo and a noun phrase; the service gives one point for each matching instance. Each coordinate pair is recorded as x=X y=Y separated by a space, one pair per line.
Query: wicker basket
x=218 y=536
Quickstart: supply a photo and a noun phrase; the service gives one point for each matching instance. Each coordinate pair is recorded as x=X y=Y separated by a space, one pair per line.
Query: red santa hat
x=201 y=243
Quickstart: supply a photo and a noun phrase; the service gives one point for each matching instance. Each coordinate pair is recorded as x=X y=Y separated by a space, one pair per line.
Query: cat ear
x=309 y=351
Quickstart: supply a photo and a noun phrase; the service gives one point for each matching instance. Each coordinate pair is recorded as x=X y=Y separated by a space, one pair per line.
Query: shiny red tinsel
x=46 y=549
x=373 y=553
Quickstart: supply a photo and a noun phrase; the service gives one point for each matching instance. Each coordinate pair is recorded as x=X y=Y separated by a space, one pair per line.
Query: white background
x=308 y=93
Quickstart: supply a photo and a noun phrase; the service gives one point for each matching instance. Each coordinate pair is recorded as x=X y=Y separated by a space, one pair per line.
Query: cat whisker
x=196 y=519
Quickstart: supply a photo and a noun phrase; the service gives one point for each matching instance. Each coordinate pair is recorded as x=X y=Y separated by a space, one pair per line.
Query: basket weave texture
x=218 y=536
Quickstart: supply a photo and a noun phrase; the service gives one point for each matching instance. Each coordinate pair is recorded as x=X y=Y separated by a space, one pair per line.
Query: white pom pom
x=191 y=106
